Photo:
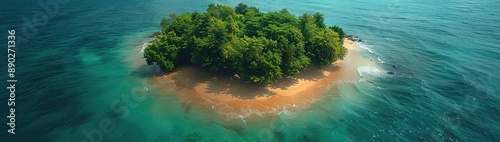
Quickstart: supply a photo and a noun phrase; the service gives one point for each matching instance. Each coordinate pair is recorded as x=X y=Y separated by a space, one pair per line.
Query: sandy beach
x=231 y=97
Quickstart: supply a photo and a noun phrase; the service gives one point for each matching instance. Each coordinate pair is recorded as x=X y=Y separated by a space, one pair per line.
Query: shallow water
x=81 y=68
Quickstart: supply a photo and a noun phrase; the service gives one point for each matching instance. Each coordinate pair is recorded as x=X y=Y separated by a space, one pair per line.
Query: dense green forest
x=243 y=41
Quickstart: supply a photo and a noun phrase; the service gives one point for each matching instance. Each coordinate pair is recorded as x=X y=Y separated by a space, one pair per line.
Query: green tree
x=207 y=52
x=220 y=11
x=340 y=31
x=241 y=8
x=242 y=41
x=161 y=54
x=233 y=26
x=232 y=54
x=180 y=25
x=325 y=48
x=252 y=21
x=260 y=63
x=290 y=46
x=319 y=20
x=307 y=27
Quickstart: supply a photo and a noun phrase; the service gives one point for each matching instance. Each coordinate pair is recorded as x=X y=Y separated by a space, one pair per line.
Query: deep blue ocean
x=82 y=59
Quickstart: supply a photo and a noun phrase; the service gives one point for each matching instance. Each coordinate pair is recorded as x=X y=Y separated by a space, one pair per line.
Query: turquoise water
x=74 y=72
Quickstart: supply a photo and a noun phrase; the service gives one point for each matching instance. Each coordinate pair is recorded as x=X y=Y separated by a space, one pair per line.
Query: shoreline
x=234 y=98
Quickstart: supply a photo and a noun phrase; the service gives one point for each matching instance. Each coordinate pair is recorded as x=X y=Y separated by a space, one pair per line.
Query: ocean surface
x=81 y=63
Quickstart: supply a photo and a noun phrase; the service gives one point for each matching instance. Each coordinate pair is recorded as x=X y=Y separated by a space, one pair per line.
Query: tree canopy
x=243 y=41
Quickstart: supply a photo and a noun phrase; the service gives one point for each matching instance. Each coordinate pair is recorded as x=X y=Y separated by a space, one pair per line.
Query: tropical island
x=240 y=62
x=246 y=43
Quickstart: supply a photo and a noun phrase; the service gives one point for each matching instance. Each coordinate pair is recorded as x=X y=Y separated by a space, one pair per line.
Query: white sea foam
x=369 y=71
x=380 y=60
x=391 y=39
x=143 y=47
x=366 y=48
x=285 y=112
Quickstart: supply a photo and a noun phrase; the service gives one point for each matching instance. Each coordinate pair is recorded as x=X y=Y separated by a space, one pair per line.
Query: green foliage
x=323 y=47
x=340 y=31
x=207 y=51
x=161 y=54
x=260 y=62
x=319 y=20
x=241 y=8
x=291 y=46
x=242 y=41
